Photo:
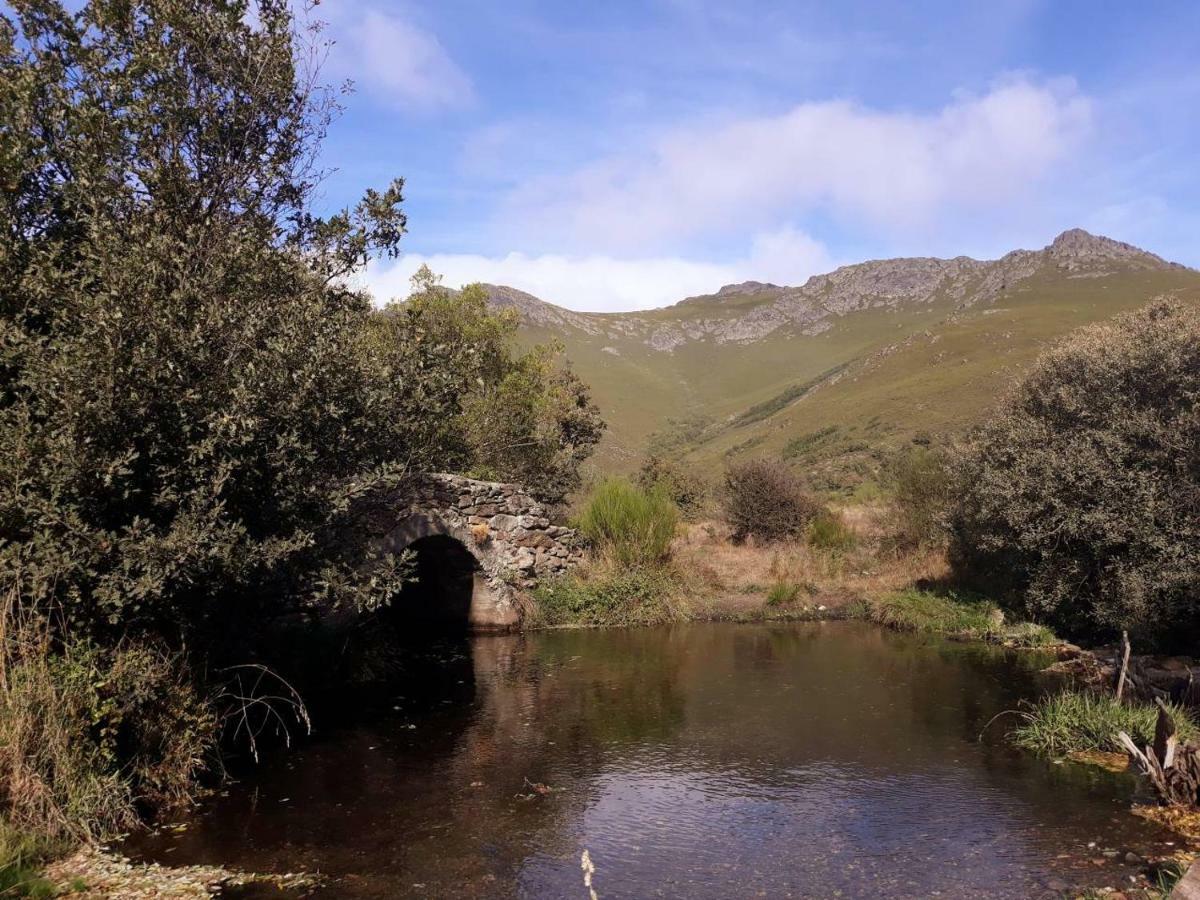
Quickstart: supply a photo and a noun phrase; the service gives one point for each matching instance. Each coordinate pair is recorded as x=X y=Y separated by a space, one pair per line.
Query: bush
x=763 y=499
x=629 y=525
x=1079 y=502
x=603 y=596
x=685 y=487
x=89 y=736
x=829 y=531
x=920 y=483
x=1071 y=722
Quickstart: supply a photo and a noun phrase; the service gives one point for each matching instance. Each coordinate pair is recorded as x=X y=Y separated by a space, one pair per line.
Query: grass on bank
x=1073 y=722
x=606 y=595
x=955 y=615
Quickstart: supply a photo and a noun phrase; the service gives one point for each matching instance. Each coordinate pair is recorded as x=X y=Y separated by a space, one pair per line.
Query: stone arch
x=497 y=530
x=452 y=586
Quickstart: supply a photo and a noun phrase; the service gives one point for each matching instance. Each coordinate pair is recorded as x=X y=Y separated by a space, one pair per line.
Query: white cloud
x=397 y=61
x=889 y=170
x=608 y=284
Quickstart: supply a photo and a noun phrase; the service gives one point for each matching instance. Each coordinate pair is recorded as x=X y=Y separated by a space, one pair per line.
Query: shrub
x=1071 y=722
x=763 y=499
x=829 y=531
x=194 y=400
x=629 y=525
x=1080 y=501
x=90 y=736
x=782 y=593
x=686 y=488
x=920 y=483
x=604 y=596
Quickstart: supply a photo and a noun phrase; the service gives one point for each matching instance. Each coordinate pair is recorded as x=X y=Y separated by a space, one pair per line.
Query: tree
x=186 y=413
x=1080 y=500
x=498 y=413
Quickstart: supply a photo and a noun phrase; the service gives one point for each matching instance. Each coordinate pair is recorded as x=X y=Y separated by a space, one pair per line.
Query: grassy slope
x=923 y=368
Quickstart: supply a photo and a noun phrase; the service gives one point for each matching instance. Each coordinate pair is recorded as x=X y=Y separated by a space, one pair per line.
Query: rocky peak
x=1076 y=248
x=747 y=287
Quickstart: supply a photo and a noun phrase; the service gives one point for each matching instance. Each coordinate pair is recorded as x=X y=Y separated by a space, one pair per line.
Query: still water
x=701 y=761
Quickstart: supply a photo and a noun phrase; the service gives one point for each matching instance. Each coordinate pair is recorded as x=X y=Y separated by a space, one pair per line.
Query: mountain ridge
x=837 y=372
x=809 y=308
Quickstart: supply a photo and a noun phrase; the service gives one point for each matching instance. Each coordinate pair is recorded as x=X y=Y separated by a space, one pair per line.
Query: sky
x=617 y=155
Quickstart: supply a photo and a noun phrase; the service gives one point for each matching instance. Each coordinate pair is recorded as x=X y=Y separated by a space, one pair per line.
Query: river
x=702 y=761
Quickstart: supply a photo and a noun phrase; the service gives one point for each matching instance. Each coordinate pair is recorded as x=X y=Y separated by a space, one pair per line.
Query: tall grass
x=87 y=736
x=611 y=596
x=628 y=525
x=1070 y=722
x=829 y=531
x=957 y=615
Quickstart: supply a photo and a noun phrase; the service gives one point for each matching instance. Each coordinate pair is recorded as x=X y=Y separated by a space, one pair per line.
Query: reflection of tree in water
x=433 y=786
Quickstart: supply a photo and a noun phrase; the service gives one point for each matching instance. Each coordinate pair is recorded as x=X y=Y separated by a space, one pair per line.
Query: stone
x=503 y=522
x=503 y=527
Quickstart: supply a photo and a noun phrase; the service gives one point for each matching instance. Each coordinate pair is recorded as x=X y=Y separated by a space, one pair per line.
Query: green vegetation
x=196 y=409
x=953 y=614
x=628 y=525
x=611 y=596
x=829 y=531
x=765 y=500
x=805 y=444
x=1070 y=722
x=685 y=487
x=782 y=593
x=920 y=485
x=783 y=399
x=1078 y=501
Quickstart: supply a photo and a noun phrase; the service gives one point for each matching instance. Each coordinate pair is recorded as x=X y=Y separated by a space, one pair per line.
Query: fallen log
x=1173 y=769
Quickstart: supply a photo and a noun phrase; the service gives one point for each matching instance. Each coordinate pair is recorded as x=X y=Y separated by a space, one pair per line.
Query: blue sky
x=623 y=155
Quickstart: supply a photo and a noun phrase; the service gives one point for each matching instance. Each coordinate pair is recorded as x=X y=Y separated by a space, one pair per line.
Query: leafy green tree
x=1079 y=502
x=495 y=412
x=186 y=410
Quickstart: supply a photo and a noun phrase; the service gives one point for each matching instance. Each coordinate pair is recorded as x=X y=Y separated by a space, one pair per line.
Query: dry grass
x=738 y=577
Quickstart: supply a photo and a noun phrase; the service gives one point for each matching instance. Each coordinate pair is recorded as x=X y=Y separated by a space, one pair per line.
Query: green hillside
x=834 y=373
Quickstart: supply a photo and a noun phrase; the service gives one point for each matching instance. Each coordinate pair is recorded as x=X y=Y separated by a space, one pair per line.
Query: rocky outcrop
x=815 y=306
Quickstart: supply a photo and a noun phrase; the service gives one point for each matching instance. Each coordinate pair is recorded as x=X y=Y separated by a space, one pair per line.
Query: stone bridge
x=479 y=546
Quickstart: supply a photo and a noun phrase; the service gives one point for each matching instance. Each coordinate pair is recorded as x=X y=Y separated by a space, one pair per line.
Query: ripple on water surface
x=803 y=760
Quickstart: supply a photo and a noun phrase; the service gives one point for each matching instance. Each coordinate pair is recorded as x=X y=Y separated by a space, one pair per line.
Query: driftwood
x=1124 y=665
x=1173 y=769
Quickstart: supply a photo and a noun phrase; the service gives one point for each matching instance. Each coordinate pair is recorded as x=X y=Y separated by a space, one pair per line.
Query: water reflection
x=804 y=760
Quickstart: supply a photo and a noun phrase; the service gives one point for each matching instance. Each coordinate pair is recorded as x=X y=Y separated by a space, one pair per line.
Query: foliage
x=806 y=443
x=185 y=413
x=782 y=593
x=920 y=483
x=1070 y=722
x=1080 y=501
x=924 y=611
x=765 y=500
x=192 y=401
x=516 y=417
x=678 y=436
x=610 y=596
x=784 y=398
x=686 y=487
x=956 y=614
x=89 y=736
x=628 y=525
x=829 y=531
